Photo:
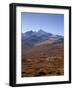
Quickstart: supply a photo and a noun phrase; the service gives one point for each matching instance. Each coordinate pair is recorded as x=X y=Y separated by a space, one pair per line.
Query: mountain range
x=31 y=38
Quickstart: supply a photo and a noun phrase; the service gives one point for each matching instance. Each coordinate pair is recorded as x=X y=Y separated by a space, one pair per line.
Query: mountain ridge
x=31 y=38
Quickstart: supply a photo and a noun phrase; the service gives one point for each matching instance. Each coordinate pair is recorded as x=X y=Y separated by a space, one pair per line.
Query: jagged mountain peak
x=29 y=32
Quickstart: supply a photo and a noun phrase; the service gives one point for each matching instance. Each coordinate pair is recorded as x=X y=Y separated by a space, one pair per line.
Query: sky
x=51 y=23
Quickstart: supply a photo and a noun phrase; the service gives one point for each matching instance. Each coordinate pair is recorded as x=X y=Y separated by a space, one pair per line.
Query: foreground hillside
x=43 y=59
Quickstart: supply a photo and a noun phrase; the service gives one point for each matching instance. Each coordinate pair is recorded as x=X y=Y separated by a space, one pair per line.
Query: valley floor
x=49 y=66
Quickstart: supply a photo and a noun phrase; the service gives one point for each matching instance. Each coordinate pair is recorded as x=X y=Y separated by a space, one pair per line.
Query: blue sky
x=52 y=23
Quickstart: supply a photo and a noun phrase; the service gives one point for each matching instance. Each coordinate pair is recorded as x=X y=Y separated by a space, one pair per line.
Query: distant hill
x=45 y=50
